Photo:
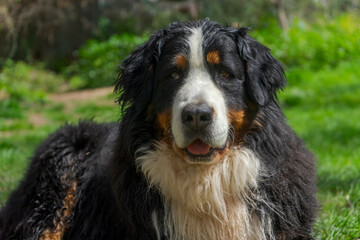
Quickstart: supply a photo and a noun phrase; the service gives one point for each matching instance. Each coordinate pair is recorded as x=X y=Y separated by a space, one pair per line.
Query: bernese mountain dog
x=202 y=151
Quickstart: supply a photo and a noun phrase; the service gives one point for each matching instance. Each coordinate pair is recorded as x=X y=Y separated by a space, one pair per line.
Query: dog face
x=202 y=84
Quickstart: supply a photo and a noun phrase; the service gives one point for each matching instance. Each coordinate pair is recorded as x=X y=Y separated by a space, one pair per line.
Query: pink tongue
x=198 y=147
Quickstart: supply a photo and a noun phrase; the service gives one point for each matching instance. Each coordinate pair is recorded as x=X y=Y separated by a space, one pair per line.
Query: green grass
x=19 y=136
x=322 y=106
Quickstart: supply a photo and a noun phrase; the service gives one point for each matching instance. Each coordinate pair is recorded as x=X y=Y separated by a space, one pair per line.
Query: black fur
x=112 y=199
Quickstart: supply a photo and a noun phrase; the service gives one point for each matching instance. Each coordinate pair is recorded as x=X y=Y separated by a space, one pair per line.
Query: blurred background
x=58 y=59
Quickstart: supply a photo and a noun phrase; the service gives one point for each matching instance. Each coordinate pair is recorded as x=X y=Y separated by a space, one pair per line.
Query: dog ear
x=264 y=74
x=136 y=79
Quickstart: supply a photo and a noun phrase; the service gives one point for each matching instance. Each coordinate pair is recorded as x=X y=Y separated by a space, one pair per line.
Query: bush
x=323 y=44
x=98 y=60
x=304 y=46
x=24 y=83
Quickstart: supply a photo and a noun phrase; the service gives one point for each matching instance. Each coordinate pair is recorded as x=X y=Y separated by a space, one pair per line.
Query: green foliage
x=10 y=108
x=246 y=13
x=323 y=44
x=24 y=83
x=98 y=60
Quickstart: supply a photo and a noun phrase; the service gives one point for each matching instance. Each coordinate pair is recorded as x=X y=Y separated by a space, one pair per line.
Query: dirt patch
x=83 y=95
x=37 y=119
x=70 y=101
x=70 y=98
x=3 y=95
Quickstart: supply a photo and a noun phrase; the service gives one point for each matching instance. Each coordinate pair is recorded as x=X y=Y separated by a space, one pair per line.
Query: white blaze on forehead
x=199 y=87
x=196 y=53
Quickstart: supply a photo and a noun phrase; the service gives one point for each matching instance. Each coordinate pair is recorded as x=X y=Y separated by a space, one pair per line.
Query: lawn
x=322 y=106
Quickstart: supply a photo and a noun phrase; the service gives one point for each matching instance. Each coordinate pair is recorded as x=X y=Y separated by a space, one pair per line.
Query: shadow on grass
x=334 y=182
x=335 y=132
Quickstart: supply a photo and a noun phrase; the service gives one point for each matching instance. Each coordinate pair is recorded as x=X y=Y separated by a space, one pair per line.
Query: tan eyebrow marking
x=213 y=57
x=180 y=61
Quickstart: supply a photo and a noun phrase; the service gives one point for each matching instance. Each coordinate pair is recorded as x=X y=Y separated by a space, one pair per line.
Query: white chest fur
x=206 y=201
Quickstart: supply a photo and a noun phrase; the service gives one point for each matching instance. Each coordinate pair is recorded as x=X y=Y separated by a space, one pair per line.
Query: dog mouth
x=198 y=148
x=199 y=151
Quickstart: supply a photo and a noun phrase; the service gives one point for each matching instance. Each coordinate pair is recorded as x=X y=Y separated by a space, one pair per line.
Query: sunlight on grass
x=323 y=108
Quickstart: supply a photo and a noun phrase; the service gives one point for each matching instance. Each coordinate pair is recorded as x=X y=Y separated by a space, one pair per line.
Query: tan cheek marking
x=213 y=57
x=164 y=122
x=58 y=231
x=236 y=118
x=181 y=62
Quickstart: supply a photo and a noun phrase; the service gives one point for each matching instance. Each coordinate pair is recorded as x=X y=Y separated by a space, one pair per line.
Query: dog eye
x=175 y=75
x=224 y=75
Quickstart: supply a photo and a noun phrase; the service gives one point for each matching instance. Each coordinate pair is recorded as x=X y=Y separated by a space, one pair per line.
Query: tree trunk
x=281 y=13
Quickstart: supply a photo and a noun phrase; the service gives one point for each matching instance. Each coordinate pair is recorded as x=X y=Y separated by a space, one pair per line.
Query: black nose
x=197 y=116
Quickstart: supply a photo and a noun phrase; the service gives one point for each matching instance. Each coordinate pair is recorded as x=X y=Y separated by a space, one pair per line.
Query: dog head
x=202 y=85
